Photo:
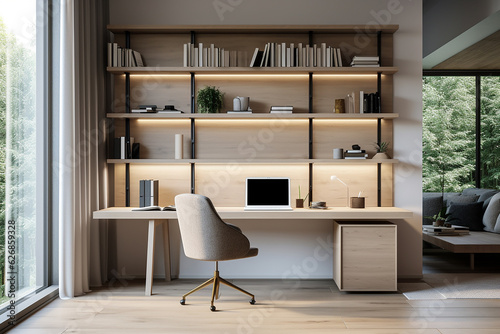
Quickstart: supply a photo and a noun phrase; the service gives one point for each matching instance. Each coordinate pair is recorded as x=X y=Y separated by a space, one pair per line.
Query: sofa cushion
x=490 y=217
x=470 y=215
x=447 y=197
x=485 y=195
x=497 y=226
x=462 y=199
x=431 y=205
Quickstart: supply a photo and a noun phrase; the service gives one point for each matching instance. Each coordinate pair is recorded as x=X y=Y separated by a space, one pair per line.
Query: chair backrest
x=204 y=235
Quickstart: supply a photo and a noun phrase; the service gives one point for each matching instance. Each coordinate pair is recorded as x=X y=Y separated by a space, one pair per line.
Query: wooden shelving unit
x=221 y=147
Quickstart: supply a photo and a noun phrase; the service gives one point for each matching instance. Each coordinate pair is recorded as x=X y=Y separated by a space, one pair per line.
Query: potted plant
x=440 y=217
x=210 y=100
x=381 y=150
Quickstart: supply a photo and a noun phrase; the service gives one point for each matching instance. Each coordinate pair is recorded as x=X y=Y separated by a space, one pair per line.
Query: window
x=490 y=132
x=23 y=158
x=461 y=139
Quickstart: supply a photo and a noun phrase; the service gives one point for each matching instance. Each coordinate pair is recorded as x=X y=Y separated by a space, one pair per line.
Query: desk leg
x=166 y=251
x=472 y=261
x=150 y=257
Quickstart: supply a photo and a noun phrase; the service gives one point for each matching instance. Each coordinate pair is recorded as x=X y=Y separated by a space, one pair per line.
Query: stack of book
x=148 y=192
x=281 y=109
x=355 y=154
x=358 y=61
x=296 y=55
x=212 y=56
x=369 y=103
x=441 y=230
x=121 y=57
x=124 y=149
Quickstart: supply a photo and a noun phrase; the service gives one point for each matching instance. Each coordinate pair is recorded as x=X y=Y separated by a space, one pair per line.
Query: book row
x=148 y=193
x=296 y=55
x=363 y=103
x=125 y=150
x=212 y=56
x=122 y=57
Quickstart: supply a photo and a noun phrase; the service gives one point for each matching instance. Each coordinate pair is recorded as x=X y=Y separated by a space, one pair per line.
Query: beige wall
x=289 y=249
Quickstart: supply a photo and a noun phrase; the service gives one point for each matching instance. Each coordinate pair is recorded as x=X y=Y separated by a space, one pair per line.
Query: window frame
x=477 y=74
x=47 y=25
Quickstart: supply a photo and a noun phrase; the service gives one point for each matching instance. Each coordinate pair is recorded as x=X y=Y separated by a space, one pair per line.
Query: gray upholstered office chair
x=206 y=237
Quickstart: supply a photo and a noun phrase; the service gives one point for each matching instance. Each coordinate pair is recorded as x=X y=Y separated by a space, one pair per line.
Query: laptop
x=267 y=194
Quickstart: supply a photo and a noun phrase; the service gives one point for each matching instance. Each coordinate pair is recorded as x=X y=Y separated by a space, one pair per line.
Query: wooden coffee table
x=475 y=242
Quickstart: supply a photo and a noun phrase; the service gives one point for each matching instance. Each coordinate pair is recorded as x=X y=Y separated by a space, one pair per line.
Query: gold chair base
x=216 y=280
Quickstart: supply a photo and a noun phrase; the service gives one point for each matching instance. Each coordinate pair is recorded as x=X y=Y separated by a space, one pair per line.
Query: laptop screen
x=267 y=191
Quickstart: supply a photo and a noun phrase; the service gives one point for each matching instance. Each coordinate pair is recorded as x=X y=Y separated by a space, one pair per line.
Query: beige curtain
x=81 y=173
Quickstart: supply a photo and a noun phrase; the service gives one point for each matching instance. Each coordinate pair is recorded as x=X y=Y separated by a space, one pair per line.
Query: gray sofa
x=477 y=208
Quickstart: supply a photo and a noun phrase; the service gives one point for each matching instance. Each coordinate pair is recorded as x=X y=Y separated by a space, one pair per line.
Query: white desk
x=156 y=218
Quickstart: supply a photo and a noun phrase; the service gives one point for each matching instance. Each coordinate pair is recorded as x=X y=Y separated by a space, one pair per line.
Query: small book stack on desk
x=441 y=230
x=281 y=110
x=355 y=154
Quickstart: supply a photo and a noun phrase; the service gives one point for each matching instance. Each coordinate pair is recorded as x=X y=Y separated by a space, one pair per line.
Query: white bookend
x=122 y=148
x=283 y=54
x=185 y=55
x=361 y=99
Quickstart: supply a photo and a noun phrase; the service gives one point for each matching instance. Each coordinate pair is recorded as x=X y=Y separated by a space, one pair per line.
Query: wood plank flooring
x=304 y=306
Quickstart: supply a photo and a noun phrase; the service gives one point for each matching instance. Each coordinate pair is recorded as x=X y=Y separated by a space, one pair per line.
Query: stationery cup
x=338 y=153
x=357 y=202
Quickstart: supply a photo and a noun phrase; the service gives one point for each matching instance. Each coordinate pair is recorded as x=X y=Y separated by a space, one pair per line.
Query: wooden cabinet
x=365 y=256
x=221 y=150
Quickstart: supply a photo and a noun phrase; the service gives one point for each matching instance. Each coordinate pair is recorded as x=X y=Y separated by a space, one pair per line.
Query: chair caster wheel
x=183 y=301
x=212 y=308
x=252 y=301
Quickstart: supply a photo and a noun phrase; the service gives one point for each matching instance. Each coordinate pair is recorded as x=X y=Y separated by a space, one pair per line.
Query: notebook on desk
x=267 y=194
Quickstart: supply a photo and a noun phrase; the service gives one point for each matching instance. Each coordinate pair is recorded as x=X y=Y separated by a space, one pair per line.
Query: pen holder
x=299 y=203
x=357 y=202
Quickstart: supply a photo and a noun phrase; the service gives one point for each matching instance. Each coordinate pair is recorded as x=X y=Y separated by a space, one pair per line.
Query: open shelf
x=253 y=116
x=252 y=29
x=346 y=70
x=255 y=161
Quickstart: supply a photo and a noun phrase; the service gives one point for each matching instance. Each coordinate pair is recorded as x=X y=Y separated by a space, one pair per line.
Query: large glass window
x=490 y=132
x=448 y=133
x=454 y=158
x=20 y=119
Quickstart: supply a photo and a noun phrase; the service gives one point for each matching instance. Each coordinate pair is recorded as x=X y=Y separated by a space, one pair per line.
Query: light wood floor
x=305 y=306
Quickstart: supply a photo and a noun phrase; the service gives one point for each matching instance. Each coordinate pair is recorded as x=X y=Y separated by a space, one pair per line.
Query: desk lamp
x=333 y=178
